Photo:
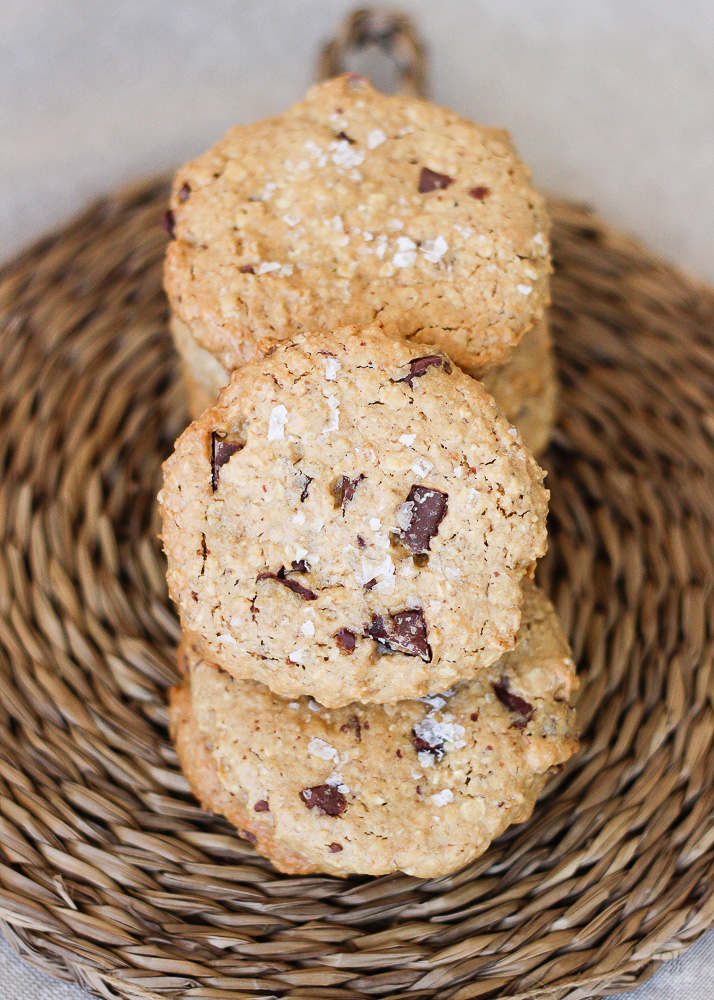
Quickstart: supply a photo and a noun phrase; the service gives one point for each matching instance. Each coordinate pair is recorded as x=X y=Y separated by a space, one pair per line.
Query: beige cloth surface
x=611 y=103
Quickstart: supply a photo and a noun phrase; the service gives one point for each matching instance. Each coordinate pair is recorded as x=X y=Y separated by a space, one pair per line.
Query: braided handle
x=392 y=32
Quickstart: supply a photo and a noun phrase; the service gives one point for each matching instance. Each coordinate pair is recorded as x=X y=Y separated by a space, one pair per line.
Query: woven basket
x=110 y=874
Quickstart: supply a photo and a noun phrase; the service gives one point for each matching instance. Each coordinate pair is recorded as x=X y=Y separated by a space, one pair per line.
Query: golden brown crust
x=422 y=786
x=320 y=410
x=354 y=206
x=525 y=388
x=200 y=771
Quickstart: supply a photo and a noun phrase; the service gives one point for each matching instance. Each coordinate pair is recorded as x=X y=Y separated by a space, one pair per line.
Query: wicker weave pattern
x=109 y=872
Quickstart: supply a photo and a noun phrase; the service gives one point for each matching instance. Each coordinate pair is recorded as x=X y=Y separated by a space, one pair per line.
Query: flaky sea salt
x=406 y=252
x=333 y=424
x=434 y=250
x=443 y=797
x=405 y=513
x=422 y=467
x=344 y=155
x=266 y=266
x=316 y=153
x=296 y=655
x=407 y=439
x=375 y=138
x=277 y=423
x=332 y=366
x=525 y=289
x=322 y=749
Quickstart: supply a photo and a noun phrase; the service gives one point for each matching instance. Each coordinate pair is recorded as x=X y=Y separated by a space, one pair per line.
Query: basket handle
x=393 y=32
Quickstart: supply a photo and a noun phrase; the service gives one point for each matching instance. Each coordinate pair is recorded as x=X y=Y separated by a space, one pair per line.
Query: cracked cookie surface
x=422 y=786
x=352 y=521
x=351 y=206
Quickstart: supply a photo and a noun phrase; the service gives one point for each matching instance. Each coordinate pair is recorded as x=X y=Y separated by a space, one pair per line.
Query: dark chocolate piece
x=420 y=366
x=514 y=703
x=408 y=634
x=428 y=510
x=297 y=588
x=430 y=180
x=221 y=451
x=346 y=640
x=328 y=799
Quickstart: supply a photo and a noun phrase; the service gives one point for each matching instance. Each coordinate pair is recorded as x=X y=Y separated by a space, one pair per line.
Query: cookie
x=354 y=205
x=422 y=786
x=352 y=520
x=525 y=388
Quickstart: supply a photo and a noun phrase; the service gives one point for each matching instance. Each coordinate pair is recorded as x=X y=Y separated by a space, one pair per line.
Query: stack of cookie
x=372 y=681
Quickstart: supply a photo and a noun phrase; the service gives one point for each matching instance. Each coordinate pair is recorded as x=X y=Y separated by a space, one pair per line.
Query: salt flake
x=422 y=467
x=333 y=424
x=266 y=266
x=322 y=749
x=375 y=138
x=278 y=420
x=343 y=155
x=434 y=250
x=332 y=366
x=406 y=252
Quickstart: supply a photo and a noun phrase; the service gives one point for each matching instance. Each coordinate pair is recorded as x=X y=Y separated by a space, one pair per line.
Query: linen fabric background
x=610 y=103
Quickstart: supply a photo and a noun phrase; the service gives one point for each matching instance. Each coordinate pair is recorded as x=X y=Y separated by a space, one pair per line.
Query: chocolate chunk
x=474 y=716
x=298 y=567
x=347 y=138
x=183 y=192
x=353 y=723
x=370 y=583
x=408 y=634
x=246 y=269
x=419 y=367
x=221 y=451
x=261 y=806
x=343 y=489
x=335 y=848
x=428 y=509
x=424 y=746
x=514 y=703
x=377 y=628
x=168 y=222
x=325 y=798
x=346 y=640
x=297 y=588
x=399 y=753
x=430 y=180
x=361 y=544
x=480 y=192
x=306 y=487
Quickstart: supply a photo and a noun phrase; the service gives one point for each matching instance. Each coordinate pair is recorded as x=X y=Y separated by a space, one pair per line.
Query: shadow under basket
x=111 y=875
